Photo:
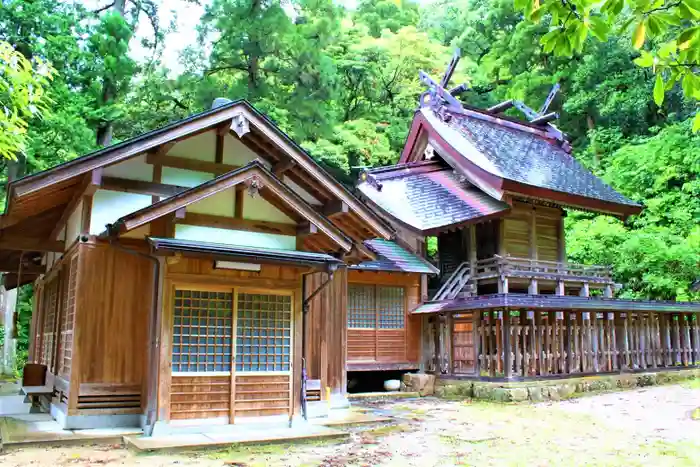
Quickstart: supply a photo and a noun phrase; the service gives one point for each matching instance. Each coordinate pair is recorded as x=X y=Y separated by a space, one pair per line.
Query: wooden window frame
x=234 y=290
x=375 y=298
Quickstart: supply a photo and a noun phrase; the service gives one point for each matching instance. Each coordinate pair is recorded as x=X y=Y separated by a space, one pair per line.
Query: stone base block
x=421 y=383
x=554 y=390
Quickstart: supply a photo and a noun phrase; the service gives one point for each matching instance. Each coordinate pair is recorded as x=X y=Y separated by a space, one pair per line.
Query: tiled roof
x=392 y=257
x=428 y=199
x=522 y=157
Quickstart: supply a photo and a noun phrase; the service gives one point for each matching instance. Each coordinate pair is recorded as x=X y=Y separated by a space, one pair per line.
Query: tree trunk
x=106 y=129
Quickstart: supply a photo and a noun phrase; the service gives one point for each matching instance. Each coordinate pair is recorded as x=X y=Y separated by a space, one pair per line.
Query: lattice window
x=376 y=307
x=48 y=340
x=391 y=307
x=68 y=320
x=202 y=331
x=362 y=310
x=263 y=332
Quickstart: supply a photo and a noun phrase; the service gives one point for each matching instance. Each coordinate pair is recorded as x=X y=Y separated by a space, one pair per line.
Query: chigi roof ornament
x=445 y=104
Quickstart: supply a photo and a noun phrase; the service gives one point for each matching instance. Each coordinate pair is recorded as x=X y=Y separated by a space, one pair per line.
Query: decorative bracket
x=240 y=125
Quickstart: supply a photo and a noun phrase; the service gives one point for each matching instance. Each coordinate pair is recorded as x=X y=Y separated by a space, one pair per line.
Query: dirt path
x=649 y=427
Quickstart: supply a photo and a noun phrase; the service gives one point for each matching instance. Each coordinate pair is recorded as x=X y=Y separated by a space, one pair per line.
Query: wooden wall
x=387 y=346
x=533 y=232
x=202 y=396
x=326 y=331
x=113 y=305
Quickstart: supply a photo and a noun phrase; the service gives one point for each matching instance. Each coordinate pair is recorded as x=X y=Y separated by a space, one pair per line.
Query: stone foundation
x=554 y=390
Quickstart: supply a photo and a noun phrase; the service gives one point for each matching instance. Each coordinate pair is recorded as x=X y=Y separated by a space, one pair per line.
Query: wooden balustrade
x=549 y=343
x=512 y=266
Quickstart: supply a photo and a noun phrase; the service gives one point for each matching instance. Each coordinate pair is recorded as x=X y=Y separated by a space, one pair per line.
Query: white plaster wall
x=133 y=169
x=182 y=177
x=220 y=204
x=237 y=153
x=235 y=237
x=260 y=210
x=73 y=224
x=108 y=206
x=201 y=147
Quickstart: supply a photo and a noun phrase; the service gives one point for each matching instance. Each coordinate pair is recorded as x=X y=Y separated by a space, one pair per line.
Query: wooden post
x=570 y=343
x=532 y=370
x=586 y=341
x=613 y=342
x=559 y=316
x=595 y=344
x=533 y=288
x=585 y=290
x=560 y=288
x=507 y=336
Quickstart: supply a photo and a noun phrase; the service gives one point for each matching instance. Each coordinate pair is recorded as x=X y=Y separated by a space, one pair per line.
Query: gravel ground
x=649 y=427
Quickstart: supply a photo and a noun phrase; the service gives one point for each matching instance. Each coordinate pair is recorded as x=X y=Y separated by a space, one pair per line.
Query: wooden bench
x=33 y=393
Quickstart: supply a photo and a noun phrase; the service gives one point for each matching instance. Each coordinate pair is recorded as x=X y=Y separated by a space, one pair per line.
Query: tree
x=669 y=28
x=22 y=97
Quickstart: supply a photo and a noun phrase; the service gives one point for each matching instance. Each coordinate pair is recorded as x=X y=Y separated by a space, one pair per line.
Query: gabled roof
x=47 y=190
x=503 y=157
x=392 y=257
x=253 y=171
x=428 y=197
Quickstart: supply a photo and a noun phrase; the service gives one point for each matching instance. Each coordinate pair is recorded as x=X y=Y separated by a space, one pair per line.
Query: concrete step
x=14 y=405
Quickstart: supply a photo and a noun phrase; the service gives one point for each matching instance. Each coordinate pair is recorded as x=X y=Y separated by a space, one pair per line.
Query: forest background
x=343 y=82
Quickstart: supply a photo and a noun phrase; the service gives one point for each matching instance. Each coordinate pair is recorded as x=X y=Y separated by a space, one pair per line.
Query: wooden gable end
x=256 y=201
x=167 y=161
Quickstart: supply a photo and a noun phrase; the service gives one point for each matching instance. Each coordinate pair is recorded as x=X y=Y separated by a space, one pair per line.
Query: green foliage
x=670 y=29
x=22 y=97
x=392 y=15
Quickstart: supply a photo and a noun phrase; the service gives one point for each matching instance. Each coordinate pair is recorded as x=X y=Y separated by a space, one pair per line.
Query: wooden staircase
x=458 y=285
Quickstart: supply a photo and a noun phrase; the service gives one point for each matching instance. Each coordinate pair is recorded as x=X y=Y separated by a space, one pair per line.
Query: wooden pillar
x=532 y=351
x=533 y=288
x=608 y=293
x=595 y=342
x=472 y=248
x=562 y=239
x=533 y=234
x=586 y=342
x=507 y=347
x=626 y=341
x=585 y=290
x=560 y=288
x=570 y=343
x=613 y=342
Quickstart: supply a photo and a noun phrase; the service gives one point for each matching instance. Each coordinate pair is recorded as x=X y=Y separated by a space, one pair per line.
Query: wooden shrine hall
x=193 y=274
x=493 y=189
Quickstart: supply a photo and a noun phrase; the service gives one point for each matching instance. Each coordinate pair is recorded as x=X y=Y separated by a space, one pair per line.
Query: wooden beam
x=26 y=268
x=30 y=244
x=238 y=202
x=307 y=229
x=335 y=208
x=157 y=178
x=190 y=164
x=86 y=215
x=88 y=187
x=219 y=151
x=281 y=167
x=142 y=187
x=249 y=225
